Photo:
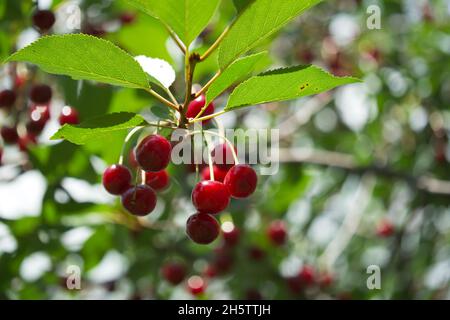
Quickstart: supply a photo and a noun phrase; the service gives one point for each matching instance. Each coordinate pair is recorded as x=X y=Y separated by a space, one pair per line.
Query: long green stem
x=211 y=116
x=162 y=99
x=214 y=45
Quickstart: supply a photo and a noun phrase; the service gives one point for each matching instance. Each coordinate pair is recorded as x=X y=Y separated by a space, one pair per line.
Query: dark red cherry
x=241 y=181
x=196 y=285
x=277 y=232
x=256 y=253
x=139 y=200
x=196 y=106
x=174 y=272
x=7 y=98
x=43 y=19
x=222 y=156
x=117 y=179
x=210 y=196
x=39 y=115
x=9 y=134
x=68 y=115
x=25 y=141
x=153 y=153
x=307 y=275
x=202 y=228
x=219 y=174
x=253 y=294
x=127 y=17
x=230 y=233
x=41 y=93
x=158 y=181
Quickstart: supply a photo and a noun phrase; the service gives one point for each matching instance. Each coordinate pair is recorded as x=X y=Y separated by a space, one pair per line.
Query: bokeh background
x=364 y=176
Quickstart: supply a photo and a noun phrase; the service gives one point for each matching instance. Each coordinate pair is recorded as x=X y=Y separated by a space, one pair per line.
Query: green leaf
x=187 y=18
x=240 y=5
x=284 y=84
x=235 y=72
x=261 y=19
x=160 y=111
x=84 y=57
x=99 y=127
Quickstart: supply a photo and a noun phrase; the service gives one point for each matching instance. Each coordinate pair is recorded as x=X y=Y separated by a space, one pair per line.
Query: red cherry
x=9 y=134
x=277 y=232
x=68 y=115
x=210 y=197
x=294 y=284
x=153 y=153
x=210 y=271
x=326 y=279
x=256 y=253
x=196 y=106
x=174 y=272
x=222 y=156
x=127 y=17
x=139 y=200
x=223 y=262
x=7 y=98
x=43 y=19
x=307 y=275
x=117 y=179
x=241 y=181
x=39 y=115
x=202 y=228
x=231 y=234
x=94 y=30
x=385 y=228
x=219 y=174
x=196 y=285
x=25 y=141
x=253 y=294
x=158 y=181
x=41 y=93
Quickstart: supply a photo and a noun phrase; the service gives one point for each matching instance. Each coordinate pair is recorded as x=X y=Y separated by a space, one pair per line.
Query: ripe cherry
x=196 y=106
x=153 y=153
x=202 y=228
x=139 y=200
x=256 y=253
x=219 y=174
x=117 y=179
x=231 y=234
x=41 y=93
x=1 y=155
x=174 y=272
x=307 y=275
x=210 y=197
x=210 y=271
x=39 y=115
x=241 y=181
x=196 y=285
x=43 y=19
x=158 y=181
x=68 y=115
x=222 y=156
x=326 y=279
x=127 y=17
x=9 y=134
x=25 y=141
x=223 y=262
x=385 y=228
x=7 y=98
x=277 y=232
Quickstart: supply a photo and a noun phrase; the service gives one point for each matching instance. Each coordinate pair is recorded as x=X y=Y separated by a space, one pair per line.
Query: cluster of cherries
x=209 y=197
x=36 y=116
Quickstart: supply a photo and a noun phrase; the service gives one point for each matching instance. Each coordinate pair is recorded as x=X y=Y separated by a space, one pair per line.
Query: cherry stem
x=215 y=44
x=162 y=99
x=177 y=40
x=211 y=116
x=125 y=142
x=208 y=84
x=172 y=97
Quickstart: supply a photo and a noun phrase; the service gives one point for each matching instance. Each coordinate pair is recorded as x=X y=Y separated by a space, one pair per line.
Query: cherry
x=219 y=174
x=196 y=285
x=210 y=271
x=307 y=275
x=127 y=17
x=117 y=179
x=231 y=234
x=1 y=155
x=7 y=98
x=210 y=196
x=9 y=134
x=385 y=228
x=153 y=153
x=256 y=253
x=35 y=127
x=39 y=115
x=139 y=200
x=94 y=30
x=41 y=93
x=202 y=228
x=68 y=115
x=222 y=156
x=158 y=181
x=174 y=272
x=25 y=141
x=253 y=294
x=196 y=106
x=223 y=262
x=43 y=19
x=326 y=279
x=277 y=232
x=294 y=284
x=241 y=181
